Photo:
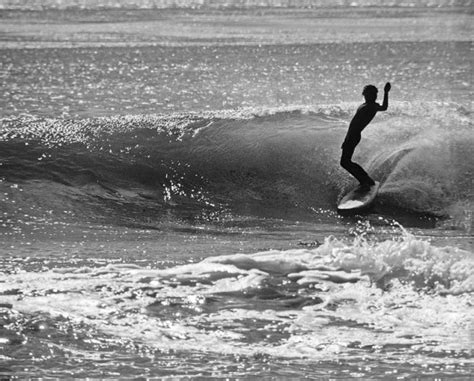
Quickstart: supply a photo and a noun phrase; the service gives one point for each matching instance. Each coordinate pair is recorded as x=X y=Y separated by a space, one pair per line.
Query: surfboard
x=357 y=200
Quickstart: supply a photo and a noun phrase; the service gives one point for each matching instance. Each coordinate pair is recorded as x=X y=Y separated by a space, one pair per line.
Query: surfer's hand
x=387 y=87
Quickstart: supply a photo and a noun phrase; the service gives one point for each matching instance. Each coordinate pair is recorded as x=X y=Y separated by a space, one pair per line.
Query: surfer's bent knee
x=344 y=162
x=346 y=157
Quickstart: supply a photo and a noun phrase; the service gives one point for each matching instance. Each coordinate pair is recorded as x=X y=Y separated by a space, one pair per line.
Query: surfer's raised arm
x=386 y=89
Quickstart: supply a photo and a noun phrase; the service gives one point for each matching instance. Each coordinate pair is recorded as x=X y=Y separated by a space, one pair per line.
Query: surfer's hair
x=370 y=92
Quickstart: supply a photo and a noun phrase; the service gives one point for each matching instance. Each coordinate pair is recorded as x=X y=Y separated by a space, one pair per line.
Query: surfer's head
x=370 y=93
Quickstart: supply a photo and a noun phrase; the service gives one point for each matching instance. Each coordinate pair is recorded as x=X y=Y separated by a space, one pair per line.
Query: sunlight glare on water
x=169 y=179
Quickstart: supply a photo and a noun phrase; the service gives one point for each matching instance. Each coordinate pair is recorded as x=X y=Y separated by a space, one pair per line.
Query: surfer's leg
x=353 y=168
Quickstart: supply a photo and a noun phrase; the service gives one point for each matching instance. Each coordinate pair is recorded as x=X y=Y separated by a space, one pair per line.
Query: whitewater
x=168 y=199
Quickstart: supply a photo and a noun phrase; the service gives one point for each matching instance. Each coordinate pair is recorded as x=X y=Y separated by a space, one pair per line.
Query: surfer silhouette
x=365 y=113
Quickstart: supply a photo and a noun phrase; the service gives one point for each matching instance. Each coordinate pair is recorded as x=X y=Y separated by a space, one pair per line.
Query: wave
x=249 y=159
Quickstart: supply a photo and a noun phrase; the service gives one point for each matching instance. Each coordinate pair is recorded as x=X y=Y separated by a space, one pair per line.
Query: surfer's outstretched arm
x=386 y=89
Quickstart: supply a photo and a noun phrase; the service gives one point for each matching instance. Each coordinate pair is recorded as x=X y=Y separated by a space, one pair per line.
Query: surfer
x=365 y=113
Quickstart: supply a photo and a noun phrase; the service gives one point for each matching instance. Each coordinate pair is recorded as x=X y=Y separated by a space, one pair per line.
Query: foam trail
x=337 y=280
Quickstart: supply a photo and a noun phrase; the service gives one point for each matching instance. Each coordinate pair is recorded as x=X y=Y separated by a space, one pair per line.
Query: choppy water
x=168 y=205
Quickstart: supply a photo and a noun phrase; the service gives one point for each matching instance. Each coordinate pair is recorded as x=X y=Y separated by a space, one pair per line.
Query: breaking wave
x=245 y=160
x=362 y=302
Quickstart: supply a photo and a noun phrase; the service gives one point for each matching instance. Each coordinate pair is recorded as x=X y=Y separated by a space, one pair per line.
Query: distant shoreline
x=186 y=27
x=226 y=4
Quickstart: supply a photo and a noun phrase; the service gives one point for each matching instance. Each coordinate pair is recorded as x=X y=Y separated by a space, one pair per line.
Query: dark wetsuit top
x=365 y=113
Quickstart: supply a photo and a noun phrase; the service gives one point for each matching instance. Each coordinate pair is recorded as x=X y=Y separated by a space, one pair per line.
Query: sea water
x=169 y=179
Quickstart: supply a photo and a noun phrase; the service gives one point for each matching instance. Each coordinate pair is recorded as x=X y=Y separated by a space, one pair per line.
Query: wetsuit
x=365 y=113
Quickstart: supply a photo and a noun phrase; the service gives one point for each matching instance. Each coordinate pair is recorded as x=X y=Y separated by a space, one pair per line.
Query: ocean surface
x=169 y=175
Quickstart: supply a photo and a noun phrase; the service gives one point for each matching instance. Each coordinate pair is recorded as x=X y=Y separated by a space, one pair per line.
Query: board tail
x=358 y=199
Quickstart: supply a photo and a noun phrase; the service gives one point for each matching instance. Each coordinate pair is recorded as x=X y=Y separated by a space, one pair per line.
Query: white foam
x=322 y=303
